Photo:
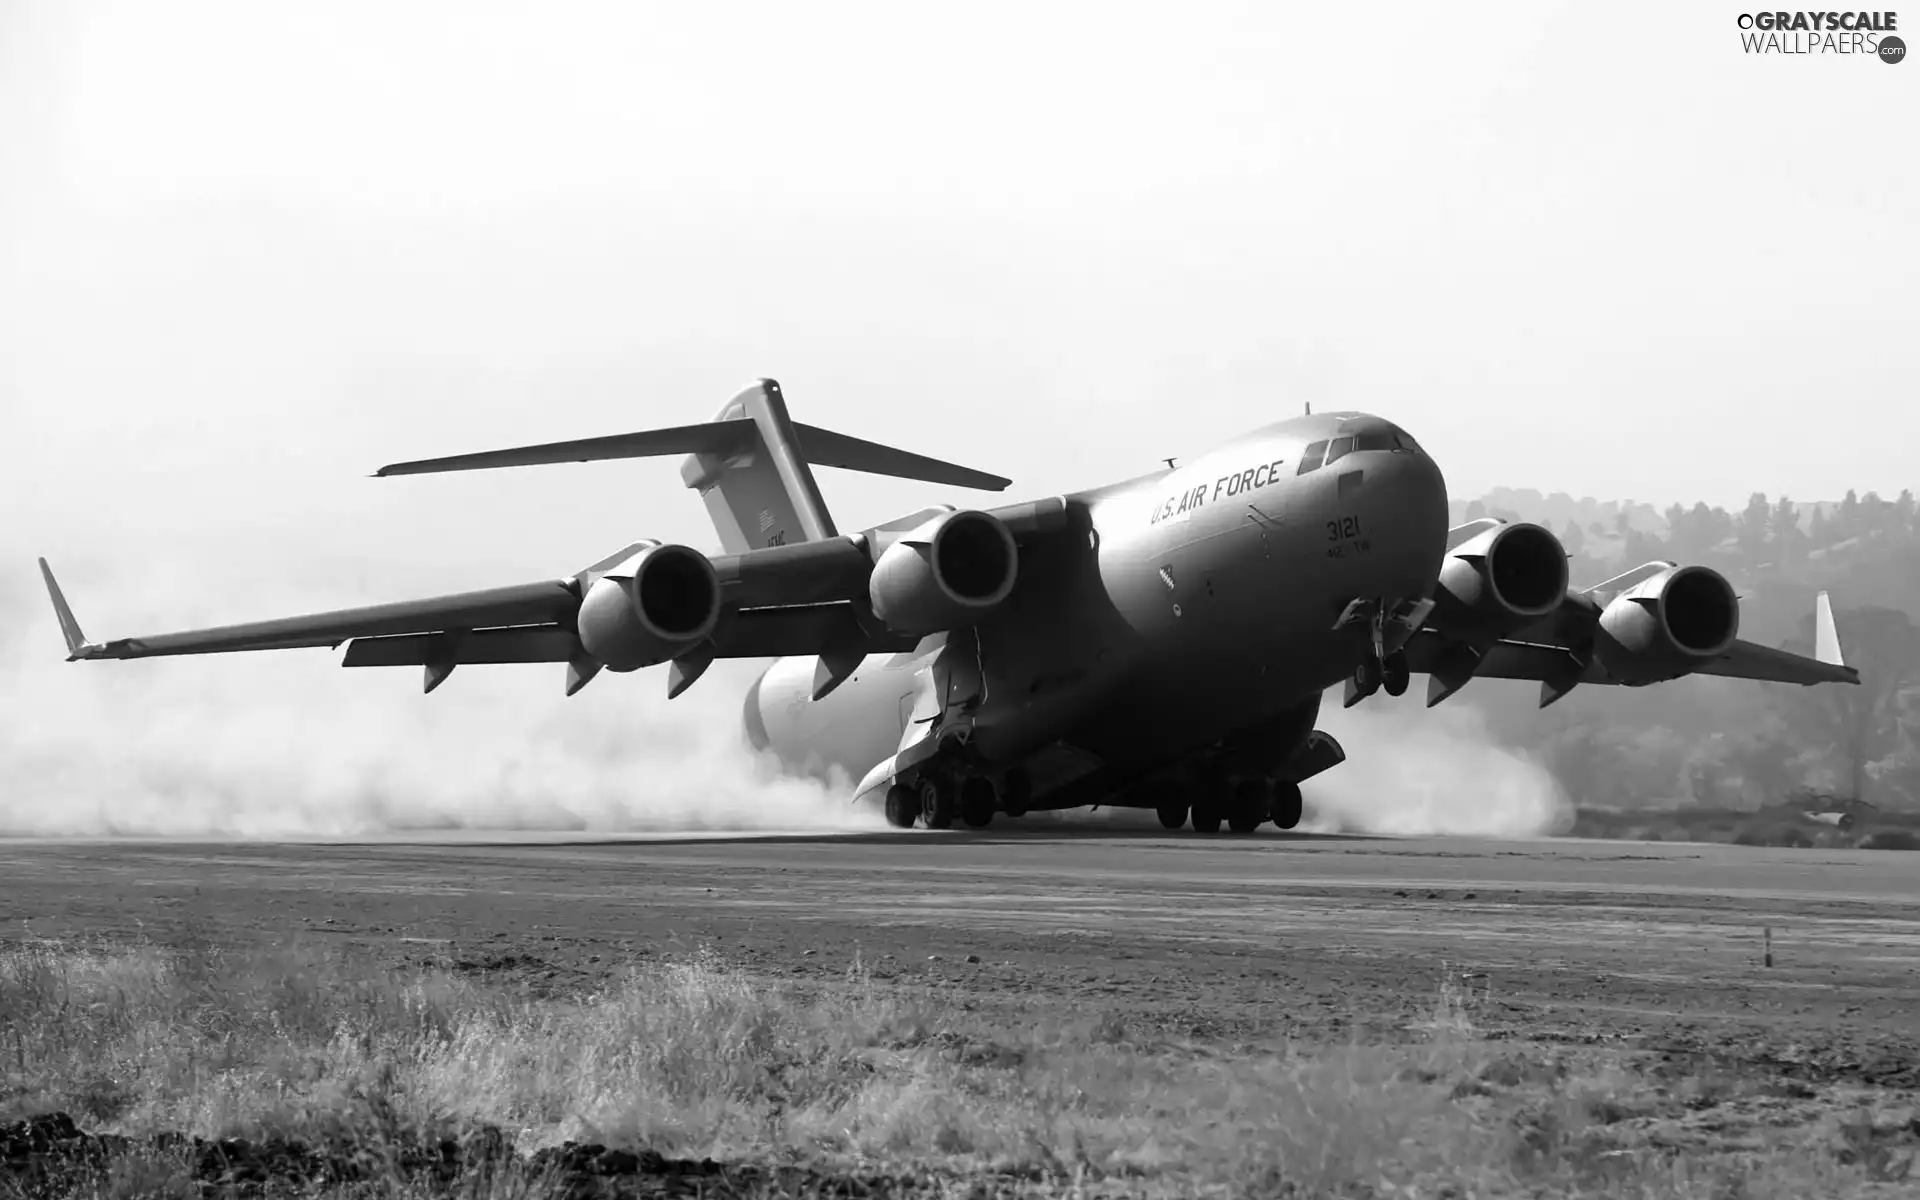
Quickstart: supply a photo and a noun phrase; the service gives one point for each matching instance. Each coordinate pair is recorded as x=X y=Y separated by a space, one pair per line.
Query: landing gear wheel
x=1015 y=793
x=1395 y=674
x=977 y=801
x=1172 y=815
x=1366 y=677
x=1249 y=808
x=936 y=802
x=1286 y=807
x=1206 y=819
x=903 y=806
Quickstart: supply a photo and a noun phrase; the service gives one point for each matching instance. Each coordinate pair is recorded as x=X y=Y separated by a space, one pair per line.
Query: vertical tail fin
x=762 y=492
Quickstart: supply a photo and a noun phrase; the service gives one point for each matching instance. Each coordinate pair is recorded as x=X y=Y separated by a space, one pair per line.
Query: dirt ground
x=1656 y=949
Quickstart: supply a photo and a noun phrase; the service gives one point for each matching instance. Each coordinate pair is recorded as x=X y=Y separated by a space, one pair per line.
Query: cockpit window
x=1405 y=442
x=1339 y=448
x=1311 y=459
x=1375 y=439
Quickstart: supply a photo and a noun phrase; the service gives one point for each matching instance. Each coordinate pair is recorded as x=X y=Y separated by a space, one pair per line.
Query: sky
x=249 y=253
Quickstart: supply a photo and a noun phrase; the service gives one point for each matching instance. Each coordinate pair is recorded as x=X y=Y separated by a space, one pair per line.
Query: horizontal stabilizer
x=825 y=448
x=820 y=447
x=714 y=437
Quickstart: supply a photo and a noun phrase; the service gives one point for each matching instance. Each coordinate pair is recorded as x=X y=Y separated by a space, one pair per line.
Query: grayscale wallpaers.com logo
x=1863 y=33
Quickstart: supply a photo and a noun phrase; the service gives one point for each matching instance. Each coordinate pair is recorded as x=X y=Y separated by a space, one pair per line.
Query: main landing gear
x=939 y=795
x=1243 y=805
x=1286 y=809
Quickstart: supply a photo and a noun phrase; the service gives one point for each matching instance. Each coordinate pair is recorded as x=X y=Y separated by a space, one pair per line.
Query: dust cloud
x=1414 y=771
x=286 y=744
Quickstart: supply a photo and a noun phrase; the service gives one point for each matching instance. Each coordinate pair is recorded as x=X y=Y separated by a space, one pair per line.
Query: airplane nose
x=1398 y=501
x=1410 y=482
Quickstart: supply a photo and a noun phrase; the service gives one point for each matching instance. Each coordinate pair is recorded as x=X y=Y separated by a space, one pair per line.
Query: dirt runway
x=1658 y=947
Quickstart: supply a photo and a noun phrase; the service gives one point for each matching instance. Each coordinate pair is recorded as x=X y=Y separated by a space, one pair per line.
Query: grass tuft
x=357 y=1063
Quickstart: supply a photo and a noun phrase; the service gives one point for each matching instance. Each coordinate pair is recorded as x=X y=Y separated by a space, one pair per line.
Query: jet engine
x=660 y=603
x=1668 y=625
x=945 y=574
x=1505 y=578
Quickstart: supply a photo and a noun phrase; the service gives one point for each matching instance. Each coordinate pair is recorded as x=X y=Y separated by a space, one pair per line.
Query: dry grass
x=697 y=1058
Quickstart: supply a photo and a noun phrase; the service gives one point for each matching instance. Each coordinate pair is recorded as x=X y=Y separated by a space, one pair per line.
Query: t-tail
x=752 y=464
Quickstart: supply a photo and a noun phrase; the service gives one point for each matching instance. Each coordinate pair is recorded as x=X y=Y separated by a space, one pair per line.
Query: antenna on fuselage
x=1309 y=408
x=1169 y=463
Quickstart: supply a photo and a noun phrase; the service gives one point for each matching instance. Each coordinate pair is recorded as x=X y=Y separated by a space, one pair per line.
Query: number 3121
x=1345 y=527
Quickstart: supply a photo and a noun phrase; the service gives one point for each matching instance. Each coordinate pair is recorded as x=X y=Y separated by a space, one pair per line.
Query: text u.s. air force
x=1250 y=480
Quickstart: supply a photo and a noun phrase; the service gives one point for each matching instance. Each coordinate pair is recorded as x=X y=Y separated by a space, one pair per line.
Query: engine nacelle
x=1505 y=578
x=946 y=574
x=1666 y=626
x=662 y=602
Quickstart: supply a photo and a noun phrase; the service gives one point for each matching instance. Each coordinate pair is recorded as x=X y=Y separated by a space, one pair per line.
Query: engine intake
x=1668 y=625
x=946 y=574
x=662 y=602
x=1504 y=578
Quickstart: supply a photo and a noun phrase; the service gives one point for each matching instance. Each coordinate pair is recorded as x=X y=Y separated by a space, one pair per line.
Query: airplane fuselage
x=1194 y=603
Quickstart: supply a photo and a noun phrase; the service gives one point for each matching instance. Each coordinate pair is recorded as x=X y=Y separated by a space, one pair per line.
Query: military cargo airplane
x=1161 y=643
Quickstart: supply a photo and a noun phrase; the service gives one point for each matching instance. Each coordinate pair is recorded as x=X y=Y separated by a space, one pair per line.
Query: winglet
x=77 y=645
x=1826 y=636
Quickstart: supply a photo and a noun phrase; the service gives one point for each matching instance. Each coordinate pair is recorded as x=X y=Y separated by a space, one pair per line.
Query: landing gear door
x=946 y=691
x=921 y=708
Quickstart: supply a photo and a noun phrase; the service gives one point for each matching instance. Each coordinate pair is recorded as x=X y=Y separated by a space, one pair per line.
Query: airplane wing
x=1558 y=649
x=521 y=606
x=530 y=622
x=805 y=598
x=1510 y=659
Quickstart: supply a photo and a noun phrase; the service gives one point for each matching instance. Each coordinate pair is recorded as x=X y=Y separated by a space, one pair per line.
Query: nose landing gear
x=1388 y=626
x=1389 y=673
x=1395 y=674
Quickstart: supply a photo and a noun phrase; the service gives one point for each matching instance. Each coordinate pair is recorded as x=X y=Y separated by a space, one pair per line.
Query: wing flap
x=1501 y=660
x=525 y=644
